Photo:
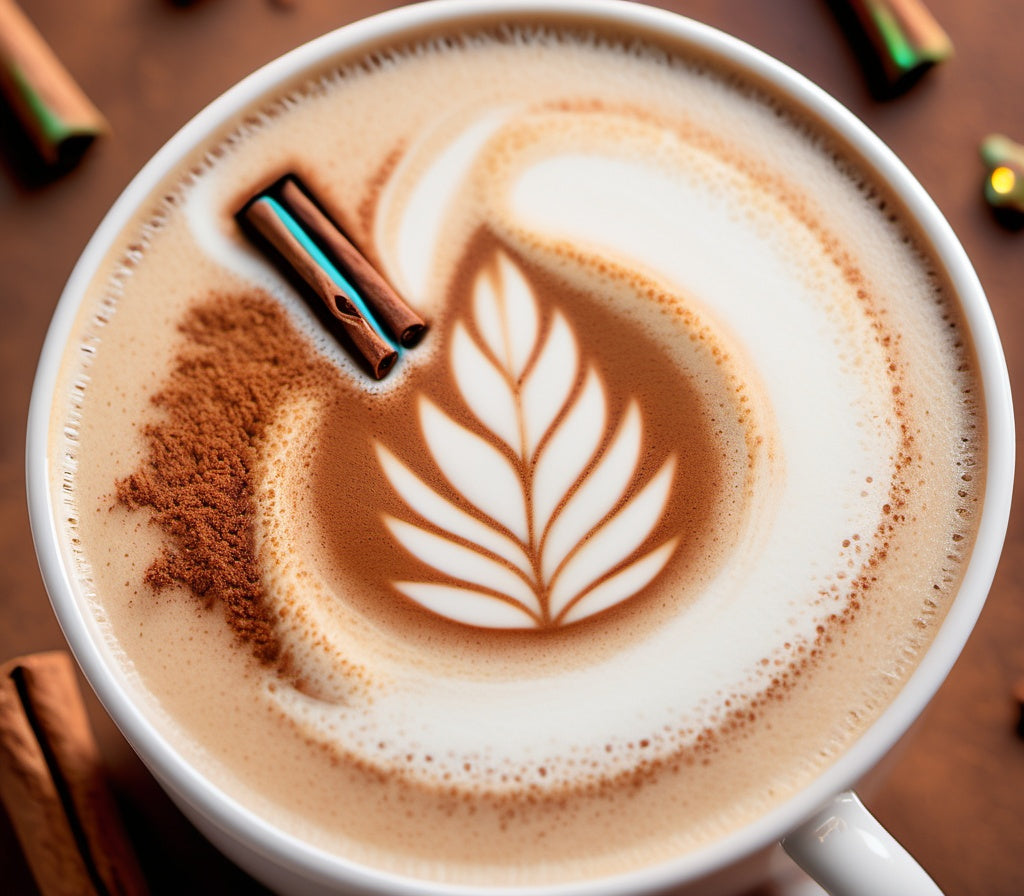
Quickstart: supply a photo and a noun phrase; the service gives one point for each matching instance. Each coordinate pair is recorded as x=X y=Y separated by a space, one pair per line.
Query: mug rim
x=240 y=823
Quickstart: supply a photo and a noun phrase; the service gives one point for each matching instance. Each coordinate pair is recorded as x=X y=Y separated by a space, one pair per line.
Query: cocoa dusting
x=240 y=358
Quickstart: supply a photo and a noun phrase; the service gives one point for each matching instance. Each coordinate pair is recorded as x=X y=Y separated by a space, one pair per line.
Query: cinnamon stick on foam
x=401 y=321
x=267 y=217
x=57 y=115
x=53 y=787
x=375 y=318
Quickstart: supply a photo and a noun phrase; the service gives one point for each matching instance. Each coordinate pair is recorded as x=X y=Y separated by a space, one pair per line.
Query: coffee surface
x=656 y=519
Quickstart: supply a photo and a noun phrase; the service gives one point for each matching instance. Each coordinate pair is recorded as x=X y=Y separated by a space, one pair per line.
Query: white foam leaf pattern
x=612 y=544
x=541 y=530
x=459 y=562
x=485 y=389
x=476 y=468
x=442 y=513
x=467 y=606
x=567 y=453
x=623 y=584
x=506 y=314
x=597 y=494
x=549 y=383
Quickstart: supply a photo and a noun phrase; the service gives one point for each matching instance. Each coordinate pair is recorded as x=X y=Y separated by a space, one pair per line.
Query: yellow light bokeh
x=1003 y=180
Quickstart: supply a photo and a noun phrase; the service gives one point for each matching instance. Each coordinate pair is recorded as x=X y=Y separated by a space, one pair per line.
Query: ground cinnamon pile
x=240 y=358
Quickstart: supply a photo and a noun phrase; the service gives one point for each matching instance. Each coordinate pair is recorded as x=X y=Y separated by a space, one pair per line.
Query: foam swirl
x=513 y=555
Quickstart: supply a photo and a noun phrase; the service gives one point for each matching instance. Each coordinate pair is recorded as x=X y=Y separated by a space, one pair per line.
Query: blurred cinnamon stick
x=897 y=40
x=53 y=787
x=56 y=114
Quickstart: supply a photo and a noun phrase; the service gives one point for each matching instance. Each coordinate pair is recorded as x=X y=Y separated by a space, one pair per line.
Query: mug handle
x=844 y=848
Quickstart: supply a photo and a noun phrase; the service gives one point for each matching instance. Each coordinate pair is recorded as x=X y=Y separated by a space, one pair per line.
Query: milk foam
x=691 y=207
x=676 y=218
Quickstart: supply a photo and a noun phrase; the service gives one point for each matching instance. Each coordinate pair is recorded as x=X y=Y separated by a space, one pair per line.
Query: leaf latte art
x=552 y=535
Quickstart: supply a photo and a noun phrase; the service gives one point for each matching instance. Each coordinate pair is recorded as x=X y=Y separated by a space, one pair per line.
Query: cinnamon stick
x=898 y=40
x=401 y=321
x=53 y=787
x=270 y=221
x=58 y=117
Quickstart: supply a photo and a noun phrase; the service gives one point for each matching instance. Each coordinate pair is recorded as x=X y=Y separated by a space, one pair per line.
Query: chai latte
x=651 y=525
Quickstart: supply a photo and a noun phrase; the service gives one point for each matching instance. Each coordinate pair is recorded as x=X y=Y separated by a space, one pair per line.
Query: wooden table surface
x=955 y=796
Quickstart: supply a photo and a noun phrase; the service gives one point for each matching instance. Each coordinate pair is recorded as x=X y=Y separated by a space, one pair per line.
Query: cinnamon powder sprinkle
x=240 y=358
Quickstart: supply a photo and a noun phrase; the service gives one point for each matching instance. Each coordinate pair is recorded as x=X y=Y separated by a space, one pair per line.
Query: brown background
x=955 y=796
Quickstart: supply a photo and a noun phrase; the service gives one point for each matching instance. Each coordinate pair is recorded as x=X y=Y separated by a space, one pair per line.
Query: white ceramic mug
x=834 y=838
